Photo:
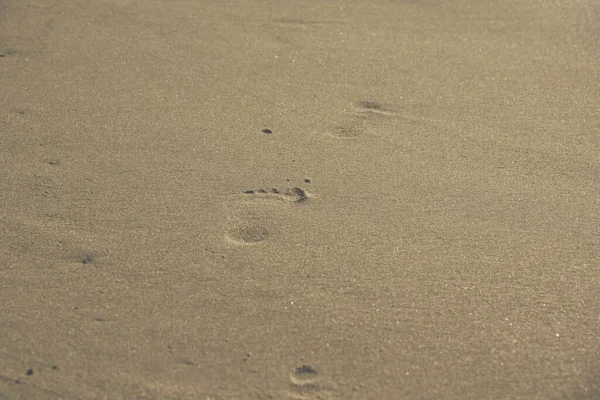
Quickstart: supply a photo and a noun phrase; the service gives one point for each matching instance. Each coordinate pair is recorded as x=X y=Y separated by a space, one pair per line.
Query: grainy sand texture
x=299 y=199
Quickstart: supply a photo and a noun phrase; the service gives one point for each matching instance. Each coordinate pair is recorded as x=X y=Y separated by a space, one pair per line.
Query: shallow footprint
x=256 y=215
x=367 y=114
x=305 y=384
x=352 y=128
x=295 y=194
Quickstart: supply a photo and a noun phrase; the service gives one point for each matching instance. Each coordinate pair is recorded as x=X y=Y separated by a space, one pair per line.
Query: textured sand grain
x=421 y=221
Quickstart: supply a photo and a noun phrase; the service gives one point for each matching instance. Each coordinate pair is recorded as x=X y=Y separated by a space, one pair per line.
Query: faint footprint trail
x=256 y=215
x=305 y=384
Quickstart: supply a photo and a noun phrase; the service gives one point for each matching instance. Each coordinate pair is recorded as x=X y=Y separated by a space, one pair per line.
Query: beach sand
x=299 y=200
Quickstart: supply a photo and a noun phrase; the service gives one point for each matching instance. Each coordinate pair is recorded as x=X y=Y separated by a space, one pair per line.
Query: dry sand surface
x=420 y=219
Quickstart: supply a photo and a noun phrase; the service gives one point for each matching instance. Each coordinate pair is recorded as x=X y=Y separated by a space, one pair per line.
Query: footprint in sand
x=6 y=52
x=366 y=116
x=295 y=194
x=305 y=384
x=257 y=214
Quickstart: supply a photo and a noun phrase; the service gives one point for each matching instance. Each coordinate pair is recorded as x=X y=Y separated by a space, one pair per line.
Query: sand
x=299 y=200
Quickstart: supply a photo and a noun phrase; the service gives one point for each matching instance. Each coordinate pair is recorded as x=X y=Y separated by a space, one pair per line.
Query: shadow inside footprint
x=370 y=104
x=6 y=52
x=375 y=107
x=304 y=381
